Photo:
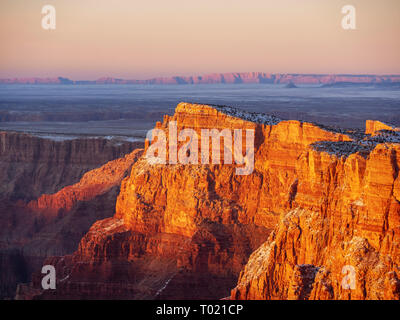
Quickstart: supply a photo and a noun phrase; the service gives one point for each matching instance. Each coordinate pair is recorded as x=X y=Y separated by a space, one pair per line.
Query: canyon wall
x=318 y=199
x=53 y=223
x=31 y=166
x=341 y=238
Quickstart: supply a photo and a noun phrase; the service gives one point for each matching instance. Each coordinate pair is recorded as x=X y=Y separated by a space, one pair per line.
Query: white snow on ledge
x=268 y=119
x=386 y=136
x=362 y=146
x=342 y=148
x=256 y=117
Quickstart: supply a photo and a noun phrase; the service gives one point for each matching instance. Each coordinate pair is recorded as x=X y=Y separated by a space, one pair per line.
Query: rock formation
x=54 y=223
x=243 y=77
x=319 y=199
x=375 y=127
x=31 y=166
x=345 y=222
x=93 y=183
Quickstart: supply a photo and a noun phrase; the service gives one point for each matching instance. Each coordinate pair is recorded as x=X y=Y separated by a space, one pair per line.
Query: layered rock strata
x=31 y=166
x=54 y=223
x=186 y=231
x=341 y=238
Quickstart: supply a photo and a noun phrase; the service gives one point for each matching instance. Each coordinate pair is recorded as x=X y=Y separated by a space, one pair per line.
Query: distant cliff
x=217 y=78
x=37 y=168
x=31 y=165
x=319 y=199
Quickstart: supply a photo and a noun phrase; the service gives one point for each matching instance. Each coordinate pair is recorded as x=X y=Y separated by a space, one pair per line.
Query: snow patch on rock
x=256 y=117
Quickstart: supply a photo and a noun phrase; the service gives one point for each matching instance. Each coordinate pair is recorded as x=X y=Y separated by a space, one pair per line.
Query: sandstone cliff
x=53 y=223
x=375 y=127
x=319 y=198
x=31 y=166
x=345 y=218
x=93 y=183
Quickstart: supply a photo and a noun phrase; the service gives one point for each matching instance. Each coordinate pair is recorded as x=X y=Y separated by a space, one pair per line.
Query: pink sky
x=143 y=39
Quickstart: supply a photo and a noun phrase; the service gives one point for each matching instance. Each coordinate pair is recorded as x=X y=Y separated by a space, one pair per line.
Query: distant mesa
x=291 y=80
x=291 y=85
x=65 y=80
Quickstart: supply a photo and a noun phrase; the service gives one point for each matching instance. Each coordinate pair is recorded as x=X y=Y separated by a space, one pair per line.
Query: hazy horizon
x=203 y=74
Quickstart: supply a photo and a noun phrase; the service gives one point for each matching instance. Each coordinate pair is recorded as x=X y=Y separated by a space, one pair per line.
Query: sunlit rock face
x=373 y=127
x=318 y=199
x=346 y=213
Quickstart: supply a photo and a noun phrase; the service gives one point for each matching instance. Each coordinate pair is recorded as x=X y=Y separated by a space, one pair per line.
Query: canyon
x=31 y=165
x=320 y=198
x=216 y=78
x=51 y=192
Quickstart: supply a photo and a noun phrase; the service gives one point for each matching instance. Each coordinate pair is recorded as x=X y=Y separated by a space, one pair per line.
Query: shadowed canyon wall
x=53 y=222
x=31 y=166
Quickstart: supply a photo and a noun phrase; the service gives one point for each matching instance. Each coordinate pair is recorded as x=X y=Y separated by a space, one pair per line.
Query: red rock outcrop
x=373 y=127
x=186 y=231
x=93 y=183
x=345 y=222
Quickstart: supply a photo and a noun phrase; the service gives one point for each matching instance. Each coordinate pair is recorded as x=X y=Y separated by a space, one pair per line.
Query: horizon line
x=216 y=78
x=197 y=75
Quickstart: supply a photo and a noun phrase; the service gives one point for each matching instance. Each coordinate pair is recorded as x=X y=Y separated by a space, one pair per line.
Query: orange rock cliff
x=319 y=199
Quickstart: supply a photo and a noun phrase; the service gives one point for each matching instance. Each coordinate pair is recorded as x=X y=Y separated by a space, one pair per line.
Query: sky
x=144 y=39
